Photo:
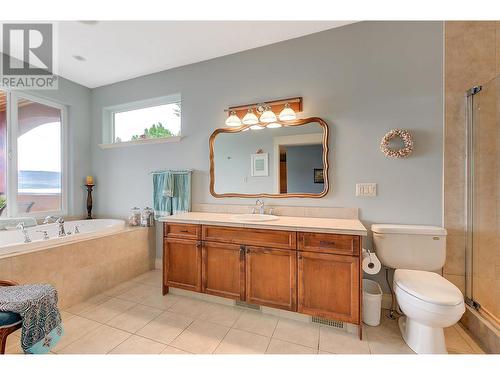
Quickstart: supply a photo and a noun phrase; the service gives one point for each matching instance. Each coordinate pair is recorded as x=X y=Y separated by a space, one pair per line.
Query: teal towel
x=168 y=189
x=181 y=200
x=162 y=204
x=171 y=192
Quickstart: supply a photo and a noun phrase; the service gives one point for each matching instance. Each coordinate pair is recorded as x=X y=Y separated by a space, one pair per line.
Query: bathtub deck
x=134 y=318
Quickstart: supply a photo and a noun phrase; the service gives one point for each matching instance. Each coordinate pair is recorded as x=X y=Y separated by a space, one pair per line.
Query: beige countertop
x=309 y=224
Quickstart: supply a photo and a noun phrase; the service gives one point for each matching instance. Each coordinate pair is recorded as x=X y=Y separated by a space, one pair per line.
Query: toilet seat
x=433 y=290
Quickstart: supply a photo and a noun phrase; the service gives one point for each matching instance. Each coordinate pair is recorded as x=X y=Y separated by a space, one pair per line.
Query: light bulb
x=287 y=113
x=268 y=115
x=233 y=119
x=273 y=125
x=250 y=118
x=256 y=127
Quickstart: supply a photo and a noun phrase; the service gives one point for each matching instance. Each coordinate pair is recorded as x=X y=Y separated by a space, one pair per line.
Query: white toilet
x=429 y=301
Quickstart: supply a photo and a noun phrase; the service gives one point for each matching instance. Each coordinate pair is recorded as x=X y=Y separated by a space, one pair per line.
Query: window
x=32 y=166
x=140 y=122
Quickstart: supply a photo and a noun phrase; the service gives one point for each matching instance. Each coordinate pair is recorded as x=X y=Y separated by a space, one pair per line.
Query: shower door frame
x=469 y=197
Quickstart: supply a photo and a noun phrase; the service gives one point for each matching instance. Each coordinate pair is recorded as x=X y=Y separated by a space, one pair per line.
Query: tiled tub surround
x=82 y=269
x=134 y=318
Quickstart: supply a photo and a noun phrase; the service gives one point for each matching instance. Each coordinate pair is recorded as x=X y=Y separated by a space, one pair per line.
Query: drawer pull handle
x=326 y=243
x=184 y=231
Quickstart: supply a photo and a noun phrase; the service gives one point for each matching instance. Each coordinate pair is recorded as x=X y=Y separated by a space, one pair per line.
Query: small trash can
x=372 y=302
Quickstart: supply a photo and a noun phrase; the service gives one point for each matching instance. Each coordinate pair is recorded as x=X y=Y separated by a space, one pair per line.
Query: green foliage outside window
x=155 y=131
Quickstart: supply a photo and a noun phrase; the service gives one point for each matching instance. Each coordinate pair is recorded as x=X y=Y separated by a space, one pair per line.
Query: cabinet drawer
x=179 y=230
x=329 y=243
x=249 y=236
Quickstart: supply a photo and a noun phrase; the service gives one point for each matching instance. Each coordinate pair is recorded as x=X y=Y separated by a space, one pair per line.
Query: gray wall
x=301 y=162
x=363 y=79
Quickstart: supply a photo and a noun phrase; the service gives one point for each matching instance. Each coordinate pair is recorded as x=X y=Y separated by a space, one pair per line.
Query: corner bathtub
x=104 y=254
x=12 y=241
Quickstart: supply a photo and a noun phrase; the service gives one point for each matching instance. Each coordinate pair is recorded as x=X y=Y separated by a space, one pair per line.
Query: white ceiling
x=119 y=50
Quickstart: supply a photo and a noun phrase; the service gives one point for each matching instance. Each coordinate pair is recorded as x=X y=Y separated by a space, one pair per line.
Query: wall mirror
x=285 y=159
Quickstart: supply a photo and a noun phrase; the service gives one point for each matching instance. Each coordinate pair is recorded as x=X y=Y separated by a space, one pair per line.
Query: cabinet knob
x=199 y=244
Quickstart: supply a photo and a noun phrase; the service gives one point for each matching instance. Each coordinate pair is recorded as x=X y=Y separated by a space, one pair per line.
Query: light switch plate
x=366 y=189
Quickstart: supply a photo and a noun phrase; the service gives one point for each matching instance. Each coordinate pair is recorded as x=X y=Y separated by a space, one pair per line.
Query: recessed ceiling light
x=79 y=58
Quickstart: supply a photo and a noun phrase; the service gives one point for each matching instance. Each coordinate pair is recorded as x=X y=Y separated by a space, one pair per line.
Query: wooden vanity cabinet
x=313 y=273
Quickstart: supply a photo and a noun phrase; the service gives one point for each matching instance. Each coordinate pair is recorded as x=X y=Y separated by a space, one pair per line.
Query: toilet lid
x=428 y=286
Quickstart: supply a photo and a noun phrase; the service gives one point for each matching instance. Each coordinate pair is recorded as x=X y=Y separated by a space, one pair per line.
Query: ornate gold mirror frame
x=239 y=129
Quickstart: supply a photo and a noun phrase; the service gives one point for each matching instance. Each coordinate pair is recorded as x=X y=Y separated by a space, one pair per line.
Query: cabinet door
x=328 y=286
x=223 y=270
x=271 y=277
x=182 y=263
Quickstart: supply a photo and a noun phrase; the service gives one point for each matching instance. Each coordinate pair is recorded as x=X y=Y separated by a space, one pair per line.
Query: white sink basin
x=255 y=217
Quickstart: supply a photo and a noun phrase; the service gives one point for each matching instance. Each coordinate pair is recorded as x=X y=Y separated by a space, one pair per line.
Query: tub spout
x=59 y=221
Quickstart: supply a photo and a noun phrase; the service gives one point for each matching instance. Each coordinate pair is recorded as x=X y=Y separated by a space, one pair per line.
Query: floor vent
x=328 y=322
x=247 y=305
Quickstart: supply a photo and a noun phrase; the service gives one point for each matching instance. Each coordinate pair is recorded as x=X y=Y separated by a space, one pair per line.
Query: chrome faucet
x=260 y=205
x=59 y=221
x=25 y=233
x=45 y=234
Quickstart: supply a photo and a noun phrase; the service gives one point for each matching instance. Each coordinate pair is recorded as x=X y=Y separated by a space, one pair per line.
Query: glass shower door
x=483 y=199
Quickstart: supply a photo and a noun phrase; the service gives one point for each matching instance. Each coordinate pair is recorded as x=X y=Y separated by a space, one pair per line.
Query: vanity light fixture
x=273 y=125
x=287 y=113
x=250 y=118
x=268 y=115
x=264 y=113
x=233 y=119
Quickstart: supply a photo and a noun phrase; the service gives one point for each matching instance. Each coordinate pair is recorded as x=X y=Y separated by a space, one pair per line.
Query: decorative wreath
x=399 y=153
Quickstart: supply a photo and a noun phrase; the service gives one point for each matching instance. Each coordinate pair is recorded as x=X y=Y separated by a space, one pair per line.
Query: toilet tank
x=414 y=247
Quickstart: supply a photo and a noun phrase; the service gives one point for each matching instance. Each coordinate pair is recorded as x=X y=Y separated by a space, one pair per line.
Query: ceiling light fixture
x=79 y=58
x=233 y=120
x=250 y=118
x=287 y=113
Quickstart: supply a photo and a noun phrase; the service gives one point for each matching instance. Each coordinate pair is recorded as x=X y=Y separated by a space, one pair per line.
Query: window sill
x=140 y=142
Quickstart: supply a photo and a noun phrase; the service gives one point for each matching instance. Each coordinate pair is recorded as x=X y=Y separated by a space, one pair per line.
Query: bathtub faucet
x=25 y=233
x=57 y=220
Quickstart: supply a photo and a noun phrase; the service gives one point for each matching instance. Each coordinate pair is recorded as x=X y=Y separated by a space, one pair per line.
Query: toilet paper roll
x=370 y=263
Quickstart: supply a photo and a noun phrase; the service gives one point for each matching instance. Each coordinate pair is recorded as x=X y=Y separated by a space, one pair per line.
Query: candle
x=90 y=180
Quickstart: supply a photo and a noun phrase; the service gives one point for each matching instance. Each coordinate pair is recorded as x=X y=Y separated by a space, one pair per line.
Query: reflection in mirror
x=282 y=161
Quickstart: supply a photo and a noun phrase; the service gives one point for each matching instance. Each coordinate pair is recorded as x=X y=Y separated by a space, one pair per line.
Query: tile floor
x=134 y=318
